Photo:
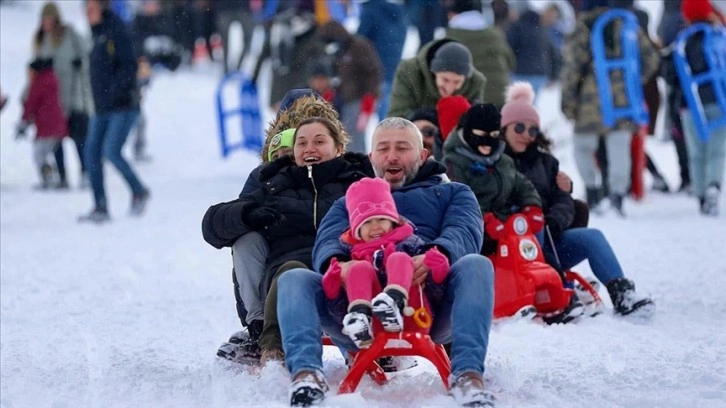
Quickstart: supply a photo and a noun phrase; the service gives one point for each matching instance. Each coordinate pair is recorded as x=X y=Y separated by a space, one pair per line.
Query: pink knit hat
x=369 y=198
x=519 y=97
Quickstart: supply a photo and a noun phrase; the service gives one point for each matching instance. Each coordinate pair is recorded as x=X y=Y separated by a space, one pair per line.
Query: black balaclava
x=482 y=116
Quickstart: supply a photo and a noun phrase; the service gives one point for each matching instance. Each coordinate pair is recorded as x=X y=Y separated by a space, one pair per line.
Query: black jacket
x=541 y=169
x=302 y=195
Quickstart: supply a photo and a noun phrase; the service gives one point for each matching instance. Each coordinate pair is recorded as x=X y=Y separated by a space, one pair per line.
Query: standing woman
x=62 y=44
x=116 y=98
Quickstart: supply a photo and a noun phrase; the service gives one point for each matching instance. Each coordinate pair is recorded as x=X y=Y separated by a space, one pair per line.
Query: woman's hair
x=336 y=131
x=49 y=10
x=302 y=109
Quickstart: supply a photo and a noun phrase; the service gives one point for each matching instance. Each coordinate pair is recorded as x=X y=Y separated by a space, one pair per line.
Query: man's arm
x=462 y=230
x=327 y=241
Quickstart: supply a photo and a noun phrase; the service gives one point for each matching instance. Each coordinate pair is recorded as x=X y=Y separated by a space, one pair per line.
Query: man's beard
x=408 y=175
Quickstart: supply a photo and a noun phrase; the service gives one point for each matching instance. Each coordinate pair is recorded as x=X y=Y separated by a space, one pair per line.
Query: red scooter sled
x=522 y=278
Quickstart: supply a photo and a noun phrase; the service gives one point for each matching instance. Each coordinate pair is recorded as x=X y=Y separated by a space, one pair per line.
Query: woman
x=295 y=194
x=60 y=42
x=529 y=149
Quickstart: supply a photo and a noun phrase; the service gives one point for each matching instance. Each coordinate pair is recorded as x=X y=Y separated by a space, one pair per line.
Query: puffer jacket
x=580 y=97
x=498 y=186
x=445 y=214
x=414 y=85
x=302 y=195
x=541 y=169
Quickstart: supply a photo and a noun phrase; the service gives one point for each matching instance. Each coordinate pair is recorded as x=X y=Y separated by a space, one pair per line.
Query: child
x=43 y=108
x=382 y=244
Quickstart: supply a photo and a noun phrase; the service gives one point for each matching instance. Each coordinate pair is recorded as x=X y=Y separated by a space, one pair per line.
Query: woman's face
x=47 y=24
x=519 y=135
x=314 y=144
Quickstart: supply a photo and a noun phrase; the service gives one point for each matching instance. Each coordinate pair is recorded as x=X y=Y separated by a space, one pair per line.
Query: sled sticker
x=504 y=251
x=520 y=225
x=528 y=249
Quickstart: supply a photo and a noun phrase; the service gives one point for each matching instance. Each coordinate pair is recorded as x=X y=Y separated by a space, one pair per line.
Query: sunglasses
x=521 y=127
x=429 y=131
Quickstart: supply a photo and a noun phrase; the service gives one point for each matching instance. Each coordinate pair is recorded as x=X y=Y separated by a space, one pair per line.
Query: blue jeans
x=107 y=134
x=463 y=318
x=577 y=244
x=706 y=158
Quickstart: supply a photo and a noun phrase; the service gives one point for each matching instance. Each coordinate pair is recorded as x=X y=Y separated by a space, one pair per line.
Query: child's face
x=374 y=228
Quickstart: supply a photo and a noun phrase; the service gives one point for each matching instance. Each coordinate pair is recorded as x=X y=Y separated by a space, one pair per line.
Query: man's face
x=396 y=155
x=448 y=82
x=428 y=131
x=93 y=12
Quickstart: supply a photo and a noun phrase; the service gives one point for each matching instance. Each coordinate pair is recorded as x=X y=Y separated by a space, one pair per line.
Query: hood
x=334 y=31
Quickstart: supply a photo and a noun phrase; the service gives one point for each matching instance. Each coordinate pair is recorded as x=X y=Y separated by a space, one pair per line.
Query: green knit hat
x=280 y=140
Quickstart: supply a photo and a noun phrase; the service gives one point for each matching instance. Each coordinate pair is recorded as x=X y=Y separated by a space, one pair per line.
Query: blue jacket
x=113 y=66
x=446 y=214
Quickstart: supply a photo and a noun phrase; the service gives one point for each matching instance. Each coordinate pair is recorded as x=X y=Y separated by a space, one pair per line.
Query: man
x=447 y=216
x=115 y=95
x=442 y=68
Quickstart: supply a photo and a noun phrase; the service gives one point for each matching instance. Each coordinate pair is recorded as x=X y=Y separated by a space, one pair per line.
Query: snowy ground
x=130 y=314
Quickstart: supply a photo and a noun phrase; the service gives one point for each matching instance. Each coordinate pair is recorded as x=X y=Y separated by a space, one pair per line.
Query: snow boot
x=626 y=301
x=357 y=326
x=242 y=346
x=594 y=197
x=709 y=204
x=308 y=388
x=388 y=307
x=574 y=310
x=616 y=201
x=99 y=215
x=138 y=203
x=587 y=299
x=468 y=390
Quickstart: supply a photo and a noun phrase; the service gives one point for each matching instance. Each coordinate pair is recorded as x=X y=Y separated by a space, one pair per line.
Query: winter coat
x=491 y=56
x=383 y=23
x=113 y=66
x=302 y=195
x=43 y=106
x=357 y=63
x=533 y=50
x=541 y=169
x=74 y=79
x=498 y=187
x=580 y=97
x=414 y=86
x=445 y=215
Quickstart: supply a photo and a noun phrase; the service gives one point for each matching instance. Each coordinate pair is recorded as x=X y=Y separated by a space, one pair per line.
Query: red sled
x=637 y=153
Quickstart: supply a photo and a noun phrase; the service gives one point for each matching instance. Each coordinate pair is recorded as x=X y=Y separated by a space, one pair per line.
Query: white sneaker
x=357 y=326
x=387 y=311
x=308 y=388
x=468 y=391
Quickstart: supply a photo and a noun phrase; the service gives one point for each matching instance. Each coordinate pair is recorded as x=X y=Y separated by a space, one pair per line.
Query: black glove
x=77 y=63
x=261 y=217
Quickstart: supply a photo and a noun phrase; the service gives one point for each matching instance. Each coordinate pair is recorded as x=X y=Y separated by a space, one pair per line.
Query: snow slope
x=130 y=314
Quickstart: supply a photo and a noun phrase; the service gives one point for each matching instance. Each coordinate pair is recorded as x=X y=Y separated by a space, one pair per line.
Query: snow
x=131 y=313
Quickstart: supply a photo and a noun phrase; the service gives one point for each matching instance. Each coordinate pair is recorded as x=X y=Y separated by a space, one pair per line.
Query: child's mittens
x=494 y=228
x=438 y=263
x=332 y=280
x=535 y=218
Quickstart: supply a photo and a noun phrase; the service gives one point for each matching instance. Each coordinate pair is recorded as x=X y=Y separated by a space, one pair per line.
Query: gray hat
x=452 y=57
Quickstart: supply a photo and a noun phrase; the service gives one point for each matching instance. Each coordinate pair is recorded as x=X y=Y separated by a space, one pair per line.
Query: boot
x=357 y=326
x=616 y=201
x=99 y=215
x=388 y=308
x=308 y=388
x=709 y=203
x=468 y=390
x=626 y=300
x=594 y=196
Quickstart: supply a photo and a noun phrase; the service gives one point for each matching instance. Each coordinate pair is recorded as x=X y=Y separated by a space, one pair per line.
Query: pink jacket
x=43 y=106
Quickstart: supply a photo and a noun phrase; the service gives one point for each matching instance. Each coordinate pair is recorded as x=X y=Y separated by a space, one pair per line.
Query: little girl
x=382 y=243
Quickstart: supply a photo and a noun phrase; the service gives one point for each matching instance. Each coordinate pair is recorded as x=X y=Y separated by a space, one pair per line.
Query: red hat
x=450 y=109
x=369 y=198
x=519 y=107
x=696 y=10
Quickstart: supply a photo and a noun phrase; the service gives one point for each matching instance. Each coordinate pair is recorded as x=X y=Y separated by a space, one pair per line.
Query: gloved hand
x=367 y=104
x=493 y=227
x=380 y=256
x=438 y=263
x=20 y=130
x=535 y=218
x=261 y=217
x=332 y=279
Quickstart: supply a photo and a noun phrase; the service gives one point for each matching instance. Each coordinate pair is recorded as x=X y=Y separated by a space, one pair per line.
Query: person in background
x=58 y=41
x=441 y=69
x=427 y=122
x=491 y=54
x=42 y=108
x=321 y=79
x=564 y=243
x=242 y=12
x=115 y=93
x=706 y=157
x=383 y=23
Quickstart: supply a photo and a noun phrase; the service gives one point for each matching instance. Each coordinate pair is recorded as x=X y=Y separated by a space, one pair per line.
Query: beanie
x=450 y=110
x=280 y=140
x=425 y=114
x=482 y=116
x=369 y=198
x=452 y=57
x=518 y=106
x=696 y=10
x=293 y=95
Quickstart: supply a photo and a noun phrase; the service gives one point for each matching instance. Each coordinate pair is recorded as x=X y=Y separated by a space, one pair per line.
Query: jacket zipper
x=315 y=200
